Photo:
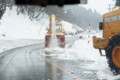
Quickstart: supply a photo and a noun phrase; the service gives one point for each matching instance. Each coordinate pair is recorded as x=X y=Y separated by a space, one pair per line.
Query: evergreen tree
x=2 y=7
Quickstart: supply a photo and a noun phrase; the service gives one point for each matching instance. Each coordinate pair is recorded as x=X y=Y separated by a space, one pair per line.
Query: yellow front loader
x=110 y=42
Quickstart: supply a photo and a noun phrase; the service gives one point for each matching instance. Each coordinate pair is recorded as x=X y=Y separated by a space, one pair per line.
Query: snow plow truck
x=57 y=29
x=110 y=42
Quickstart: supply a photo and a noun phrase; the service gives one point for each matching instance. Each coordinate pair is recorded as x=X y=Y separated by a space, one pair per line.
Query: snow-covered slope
x=70 y=28
x=19 y=26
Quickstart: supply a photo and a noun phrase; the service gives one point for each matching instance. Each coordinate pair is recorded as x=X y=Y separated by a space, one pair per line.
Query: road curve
x=26 y=63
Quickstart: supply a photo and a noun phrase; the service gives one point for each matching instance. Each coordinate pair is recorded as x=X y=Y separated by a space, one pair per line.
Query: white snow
x=68 y=27
x=84 y=51
x=10 y=44
x=19 y=26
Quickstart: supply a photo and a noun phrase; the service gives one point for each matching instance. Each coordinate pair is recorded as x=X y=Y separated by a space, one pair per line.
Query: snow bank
x=9 y=44
x=81 y=50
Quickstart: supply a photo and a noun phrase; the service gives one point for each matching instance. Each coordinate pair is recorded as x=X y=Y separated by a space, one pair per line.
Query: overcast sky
x=100 y=5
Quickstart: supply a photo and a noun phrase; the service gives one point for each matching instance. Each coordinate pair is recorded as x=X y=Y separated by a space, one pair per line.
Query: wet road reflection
x=27 y=64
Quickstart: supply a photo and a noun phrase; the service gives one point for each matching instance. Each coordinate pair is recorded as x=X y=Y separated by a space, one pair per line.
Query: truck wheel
x=113 y=54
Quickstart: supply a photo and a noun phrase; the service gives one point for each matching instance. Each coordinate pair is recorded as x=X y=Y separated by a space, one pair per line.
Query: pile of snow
x=54 y=51
x=81 y=50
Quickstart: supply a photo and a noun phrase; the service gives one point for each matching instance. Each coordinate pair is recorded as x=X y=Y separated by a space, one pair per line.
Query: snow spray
x=53 y=41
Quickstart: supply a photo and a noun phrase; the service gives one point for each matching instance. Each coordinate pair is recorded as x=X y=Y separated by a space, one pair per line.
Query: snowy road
x=27 y=63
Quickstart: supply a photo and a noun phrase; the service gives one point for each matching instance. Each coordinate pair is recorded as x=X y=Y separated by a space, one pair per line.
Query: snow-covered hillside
x=19 y=26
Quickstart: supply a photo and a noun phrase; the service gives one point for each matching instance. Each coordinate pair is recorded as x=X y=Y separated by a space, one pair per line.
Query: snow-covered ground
x=10 y=44
x=85 y=51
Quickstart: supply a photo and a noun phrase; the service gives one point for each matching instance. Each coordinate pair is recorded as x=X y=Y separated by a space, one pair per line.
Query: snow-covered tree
x=2 y=7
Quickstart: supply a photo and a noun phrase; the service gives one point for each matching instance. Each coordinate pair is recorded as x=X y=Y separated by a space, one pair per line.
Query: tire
x=112 y=52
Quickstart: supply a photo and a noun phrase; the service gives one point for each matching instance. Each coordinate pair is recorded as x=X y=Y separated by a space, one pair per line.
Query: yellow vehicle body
x=110 y=27
x=61 y=30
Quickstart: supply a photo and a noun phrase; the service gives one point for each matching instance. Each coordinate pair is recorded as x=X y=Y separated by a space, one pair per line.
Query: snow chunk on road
x=54 y=50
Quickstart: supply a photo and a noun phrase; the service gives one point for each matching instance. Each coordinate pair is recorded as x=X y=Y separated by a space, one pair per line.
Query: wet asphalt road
x=26 y=63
